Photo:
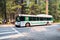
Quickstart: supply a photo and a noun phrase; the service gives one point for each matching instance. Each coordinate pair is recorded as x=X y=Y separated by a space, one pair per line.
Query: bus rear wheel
x=27 y=25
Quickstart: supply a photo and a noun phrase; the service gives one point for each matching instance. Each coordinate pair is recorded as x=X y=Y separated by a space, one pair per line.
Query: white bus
x=29 y=20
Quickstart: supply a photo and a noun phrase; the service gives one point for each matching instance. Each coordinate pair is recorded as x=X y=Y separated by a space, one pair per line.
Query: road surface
x=51 y=32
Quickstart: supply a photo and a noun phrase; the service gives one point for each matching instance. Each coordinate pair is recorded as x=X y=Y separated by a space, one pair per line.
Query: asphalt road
x=51 y=32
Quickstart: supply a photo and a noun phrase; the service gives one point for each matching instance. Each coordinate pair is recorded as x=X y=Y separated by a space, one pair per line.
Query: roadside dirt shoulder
x=7 y=25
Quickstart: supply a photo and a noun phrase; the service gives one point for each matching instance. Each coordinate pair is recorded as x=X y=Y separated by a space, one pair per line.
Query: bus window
x=49 y=18
x=41 y=18
x=32 y=18
x=22 y=18
x=26 y=18
x=38 y=18
x=18 y=19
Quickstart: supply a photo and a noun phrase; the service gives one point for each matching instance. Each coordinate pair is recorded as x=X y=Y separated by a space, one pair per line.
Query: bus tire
x=27 y=24
x=47 y=23
x=17 y=26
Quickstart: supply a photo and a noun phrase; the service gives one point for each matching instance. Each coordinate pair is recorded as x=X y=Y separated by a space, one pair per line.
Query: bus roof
x=40 y=15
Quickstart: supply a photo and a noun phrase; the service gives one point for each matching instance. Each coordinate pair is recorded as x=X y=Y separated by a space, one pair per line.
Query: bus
x=30 y=20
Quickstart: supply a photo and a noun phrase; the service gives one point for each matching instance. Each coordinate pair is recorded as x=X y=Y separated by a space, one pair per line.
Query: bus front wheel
x=17 y=26
x=27 y=25
x=47 y=23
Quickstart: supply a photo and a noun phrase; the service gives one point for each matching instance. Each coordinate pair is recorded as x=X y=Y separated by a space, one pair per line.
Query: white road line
x=15 y=30
x=7 y=32
x=11 y=36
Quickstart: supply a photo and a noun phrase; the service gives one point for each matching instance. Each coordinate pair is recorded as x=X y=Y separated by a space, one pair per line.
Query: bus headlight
x=16 y=23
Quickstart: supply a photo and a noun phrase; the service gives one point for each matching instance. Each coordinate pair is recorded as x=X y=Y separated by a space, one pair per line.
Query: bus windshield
x=18 y=18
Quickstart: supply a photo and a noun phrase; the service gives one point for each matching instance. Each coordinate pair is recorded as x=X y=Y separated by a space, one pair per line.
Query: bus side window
x=34 y=18
x=30 y=19
x=41 y=18
x=38 y=18
x=26 y=18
